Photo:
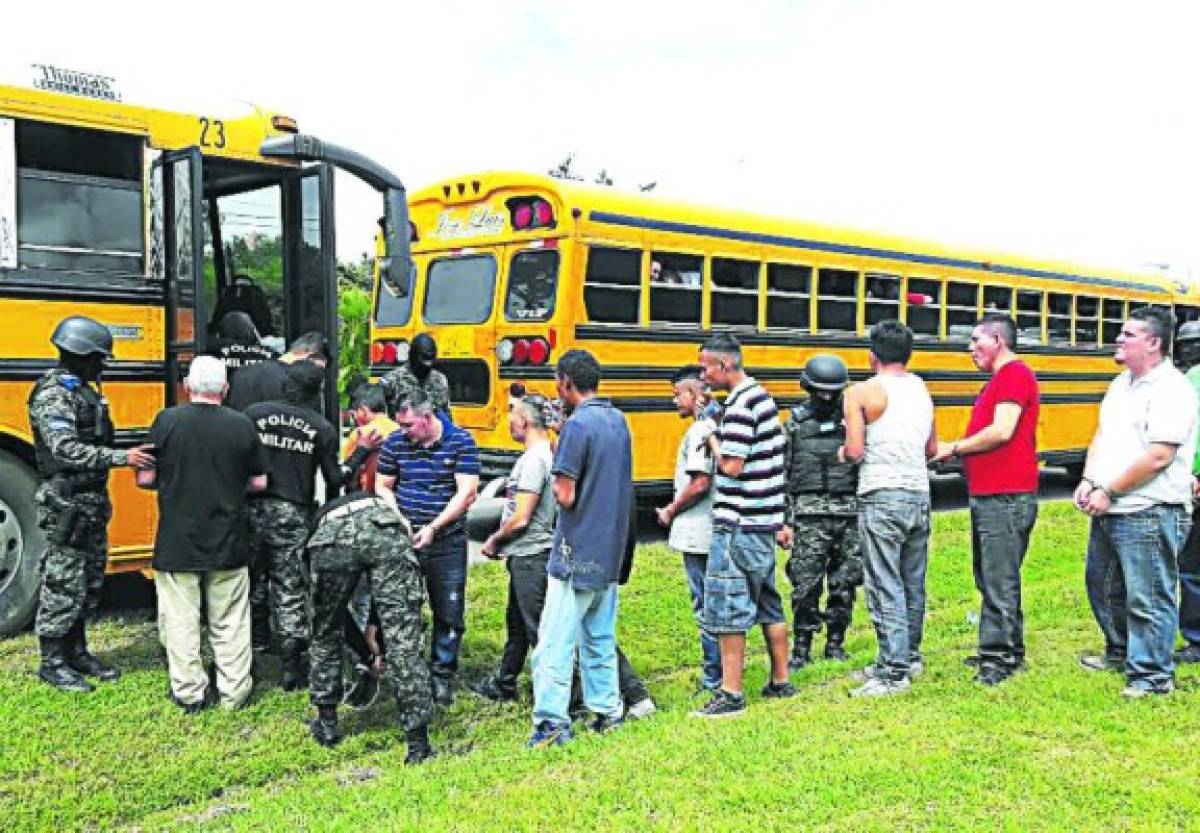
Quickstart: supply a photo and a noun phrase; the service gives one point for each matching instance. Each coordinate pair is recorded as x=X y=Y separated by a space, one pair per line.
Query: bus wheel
x=21 y=544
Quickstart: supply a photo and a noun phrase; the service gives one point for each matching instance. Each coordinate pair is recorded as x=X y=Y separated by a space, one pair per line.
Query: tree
x=565 y=169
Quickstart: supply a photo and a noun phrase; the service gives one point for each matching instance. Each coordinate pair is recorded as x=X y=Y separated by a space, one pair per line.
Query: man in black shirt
x=298 y=441
x=237 y=343
x=208 y=457
x=263 y=382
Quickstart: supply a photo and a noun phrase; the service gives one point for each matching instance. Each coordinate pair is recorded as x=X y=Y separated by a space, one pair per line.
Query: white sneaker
x=916 y=669
x=641 y=709
x=881 y=688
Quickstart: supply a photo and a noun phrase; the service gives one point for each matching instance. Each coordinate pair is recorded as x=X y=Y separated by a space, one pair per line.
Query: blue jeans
x=1132 y=569
x=694 y=565
x=572 y=618
x=739 y=582
x=894 y=527
x=444 y=565
x=1001 y=526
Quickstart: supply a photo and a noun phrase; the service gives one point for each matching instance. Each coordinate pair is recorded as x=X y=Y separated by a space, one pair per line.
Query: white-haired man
x=208 y=456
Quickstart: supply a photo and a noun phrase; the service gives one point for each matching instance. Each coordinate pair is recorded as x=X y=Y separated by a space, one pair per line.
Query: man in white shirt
x=1137 y=486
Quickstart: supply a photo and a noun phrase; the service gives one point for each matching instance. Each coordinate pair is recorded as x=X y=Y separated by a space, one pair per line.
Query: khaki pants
x=224 y=596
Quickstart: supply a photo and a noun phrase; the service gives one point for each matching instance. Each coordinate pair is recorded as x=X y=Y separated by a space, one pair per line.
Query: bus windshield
x=460 y=290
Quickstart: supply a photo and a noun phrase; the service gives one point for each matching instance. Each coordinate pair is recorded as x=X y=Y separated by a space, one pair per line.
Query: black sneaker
x=603 y=723
x=1190 y=653
x=722 y=704
x=1094 y=662
x=490 y=689
x=990 y=675
x=779 y=690
x=325 y=732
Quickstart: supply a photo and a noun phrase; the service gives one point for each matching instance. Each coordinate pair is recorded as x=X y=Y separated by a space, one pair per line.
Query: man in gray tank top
x=890 y=431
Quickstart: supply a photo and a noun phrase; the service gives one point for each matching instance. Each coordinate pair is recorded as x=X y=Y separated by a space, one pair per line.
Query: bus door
x=459 y=311
x=310 y=266
x=177 y=252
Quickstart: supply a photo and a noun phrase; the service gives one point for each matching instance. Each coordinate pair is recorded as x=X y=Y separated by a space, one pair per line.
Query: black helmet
x=1189 y=331
x=238 y=326
x=825 y=372
x=424 y=350
x=82 y=336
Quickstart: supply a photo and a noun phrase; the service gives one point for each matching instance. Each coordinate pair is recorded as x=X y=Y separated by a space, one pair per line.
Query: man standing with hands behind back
x=999 y=456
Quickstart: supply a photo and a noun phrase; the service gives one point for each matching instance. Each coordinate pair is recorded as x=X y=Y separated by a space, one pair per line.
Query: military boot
x=293 y=674
x=83 y=660
x=419 y=749
x=55 y=669
x=801 y=651
x=833 y=646
x=325 y=728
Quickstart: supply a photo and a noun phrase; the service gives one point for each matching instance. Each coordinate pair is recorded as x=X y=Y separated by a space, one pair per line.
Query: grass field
x=1056 y=748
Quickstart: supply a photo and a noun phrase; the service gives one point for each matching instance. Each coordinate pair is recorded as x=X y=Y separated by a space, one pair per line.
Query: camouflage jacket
x=63 y=413
x=800 y=506
x=398 y=383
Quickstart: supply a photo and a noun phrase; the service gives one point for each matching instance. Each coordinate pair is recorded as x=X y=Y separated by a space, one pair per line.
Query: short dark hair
x=689 y=372
x=726 y=344
x=417 y=401
x=1002 y=325
x=302 y=382
x=371 y=397
x=1159 y=321
x=891 y=342
x=581 y=368
x=313 y=343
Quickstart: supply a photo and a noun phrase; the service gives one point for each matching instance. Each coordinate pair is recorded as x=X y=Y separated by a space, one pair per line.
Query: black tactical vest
x=814 y=467
x=92 y=421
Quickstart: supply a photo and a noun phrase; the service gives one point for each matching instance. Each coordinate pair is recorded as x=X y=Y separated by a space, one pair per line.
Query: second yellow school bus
x=513 y=269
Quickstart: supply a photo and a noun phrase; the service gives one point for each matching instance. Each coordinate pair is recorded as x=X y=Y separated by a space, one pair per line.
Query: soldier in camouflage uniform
x=353 y=535
x=73 y=437
x=822 y=513
x=418 y=372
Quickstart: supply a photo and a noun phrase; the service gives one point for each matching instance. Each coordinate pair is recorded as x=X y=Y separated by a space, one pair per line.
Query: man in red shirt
x=999 y=456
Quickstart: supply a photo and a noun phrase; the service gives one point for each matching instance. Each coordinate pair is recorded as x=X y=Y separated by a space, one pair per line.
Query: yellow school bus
x=143 y=219
x=512 y=269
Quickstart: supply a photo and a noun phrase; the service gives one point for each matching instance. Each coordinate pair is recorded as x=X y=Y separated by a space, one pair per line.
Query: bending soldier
x=822 y=512
x=418 y=373
x=73 y=437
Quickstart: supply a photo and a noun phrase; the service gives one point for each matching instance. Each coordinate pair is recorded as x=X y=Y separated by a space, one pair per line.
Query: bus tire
x=21 y=544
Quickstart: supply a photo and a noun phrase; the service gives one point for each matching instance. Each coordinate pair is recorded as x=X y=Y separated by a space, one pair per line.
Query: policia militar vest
x=814 y=468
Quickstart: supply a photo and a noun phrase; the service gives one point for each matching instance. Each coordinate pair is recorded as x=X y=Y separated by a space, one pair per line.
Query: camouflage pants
x=278 y=529
x=826 y=549
x=370 y=539
x=72 y=573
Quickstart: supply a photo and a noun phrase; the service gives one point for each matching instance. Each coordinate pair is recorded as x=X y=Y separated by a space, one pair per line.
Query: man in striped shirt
x=747 y=518
x=429 y=469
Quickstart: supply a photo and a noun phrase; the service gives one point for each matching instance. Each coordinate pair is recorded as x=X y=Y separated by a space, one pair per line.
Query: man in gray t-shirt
x=689 y=514
x=524 y=538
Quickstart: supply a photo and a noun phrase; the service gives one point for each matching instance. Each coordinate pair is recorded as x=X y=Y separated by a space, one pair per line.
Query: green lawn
x=1053 y=748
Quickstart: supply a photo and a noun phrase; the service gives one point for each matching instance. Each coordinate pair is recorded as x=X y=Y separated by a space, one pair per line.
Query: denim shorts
x=739 y=584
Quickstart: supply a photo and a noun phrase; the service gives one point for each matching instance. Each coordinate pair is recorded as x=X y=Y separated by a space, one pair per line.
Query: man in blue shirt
x=593 y=484
x=429 y=470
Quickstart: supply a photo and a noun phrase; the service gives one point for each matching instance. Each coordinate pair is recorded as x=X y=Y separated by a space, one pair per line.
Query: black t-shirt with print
x=298 y=442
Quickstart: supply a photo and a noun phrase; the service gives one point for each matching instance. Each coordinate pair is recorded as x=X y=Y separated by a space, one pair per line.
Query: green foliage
x=354 y=337
x=1054 y=748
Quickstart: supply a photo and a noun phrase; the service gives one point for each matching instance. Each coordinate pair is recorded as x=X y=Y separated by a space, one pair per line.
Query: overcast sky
x=1063 y=129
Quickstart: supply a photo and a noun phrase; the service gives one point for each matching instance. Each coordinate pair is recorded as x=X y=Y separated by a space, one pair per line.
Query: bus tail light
x=521 y=351
x=389 y=353
x=543 y=214
x=539 y=351
x=504 y=350
x=522 y=217
x=376 y=352
x=528 y=213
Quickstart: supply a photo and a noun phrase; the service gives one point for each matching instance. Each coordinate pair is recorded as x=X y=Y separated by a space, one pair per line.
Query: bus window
x=997 y=299
x=613 y=285
x=734 y=292
x=1058 y=319
x=1184 y=314
x=923 y=300
x=1113 y=313
x=676 y=288
x=532 y=278
x=79 y=199
x=251 y=234
x=962 y=309
x=837 y=299
x=459 y=290
x=883 y=298
x=1086 y=312
x=1029 y=316
x=787 y=295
